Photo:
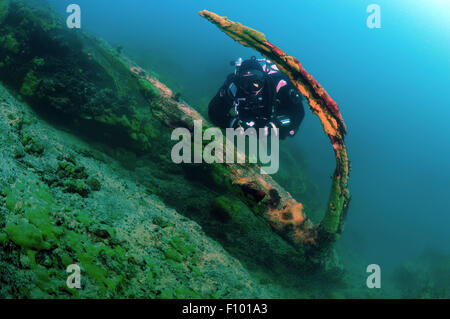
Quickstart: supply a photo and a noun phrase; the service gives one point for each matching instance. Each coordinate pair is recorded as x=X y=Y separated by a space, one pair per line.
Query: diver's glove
x=284 y=124
x=271 y=127
x=282 y=121
x=282 y=127
x=237 y=123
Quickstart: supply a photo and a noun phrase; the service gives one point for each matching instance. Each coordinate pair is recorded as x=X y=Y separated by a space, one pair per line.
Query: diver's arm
x=290 y=114
x=220 y=106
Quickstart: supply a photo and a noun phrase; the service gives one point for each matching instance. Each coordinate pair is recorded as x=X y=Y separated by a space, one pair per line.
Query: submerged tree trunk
x=70 y=76
x=288 y=219
x=263 y=194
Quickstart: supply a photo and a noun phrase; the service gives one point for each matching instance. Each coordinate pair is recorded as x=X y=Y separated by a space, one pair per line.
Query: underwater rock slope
x=63 y=202
x=86 y=178
x=70 y=77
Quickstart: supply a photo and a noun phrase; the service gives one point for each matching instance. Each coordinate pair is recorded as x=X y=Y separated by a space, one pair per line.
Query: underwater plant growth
x=87 y=181
x=44 y=241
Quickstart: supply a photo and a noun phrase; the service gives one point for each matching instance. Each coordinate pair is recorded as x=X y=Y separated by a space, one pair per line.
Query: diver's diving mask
x=251 y=81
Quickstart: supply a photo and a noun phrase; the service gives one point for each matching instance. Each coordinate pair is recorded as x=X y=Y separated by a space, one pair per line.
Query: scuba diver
x=258 y=95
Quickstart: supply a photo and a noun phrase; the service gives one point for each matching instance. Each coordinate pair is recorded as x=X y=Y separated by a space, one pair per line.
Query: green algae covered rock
x=94 y=183
x=74 y=78
x=3 y=238
x=148 y=90
x=31 y=199
x=9 y=43
x=31 y=145
x=30 y=84
x=26 y=235
x=225 y=207
x=127 y=242
x=33 y=228
x=4 y=7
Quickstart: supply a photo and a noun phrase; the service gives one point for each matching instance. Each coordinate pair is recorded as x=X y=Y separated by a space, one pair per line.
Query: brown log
x=285 y=215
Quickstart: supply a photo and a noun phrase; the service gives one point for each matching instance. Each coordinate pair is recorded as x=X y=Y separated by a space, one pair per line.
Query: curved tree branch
x=321 y=104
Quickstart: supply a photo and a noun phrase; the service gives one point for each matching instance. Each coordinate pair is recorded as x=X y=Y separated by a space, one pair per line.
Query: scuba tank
x=237 y=63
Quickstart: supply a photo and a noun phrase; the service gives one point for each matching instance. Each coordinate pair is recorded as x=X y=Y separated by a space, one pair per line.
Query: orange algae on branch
x=264 y=196
x=305 y=82
x=333 y=124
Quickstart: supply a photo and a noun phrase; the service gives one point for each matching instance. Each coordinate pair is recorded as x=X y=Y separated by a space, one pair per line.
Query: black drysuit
x=279 y=103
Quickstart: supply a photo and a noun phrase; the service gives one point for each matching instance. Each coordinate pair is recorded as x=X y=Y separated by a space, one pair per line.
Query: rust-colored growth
x=266 y=198
x=328 y=112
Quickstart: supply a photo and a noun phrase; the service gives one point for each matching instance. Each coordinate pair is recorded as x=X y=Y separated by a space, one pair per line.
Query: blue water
x=392 y=85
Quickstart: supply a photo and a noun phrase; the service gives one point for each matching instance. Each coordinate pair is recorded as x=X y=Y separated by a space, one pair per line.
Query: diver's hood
x=251 y=81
